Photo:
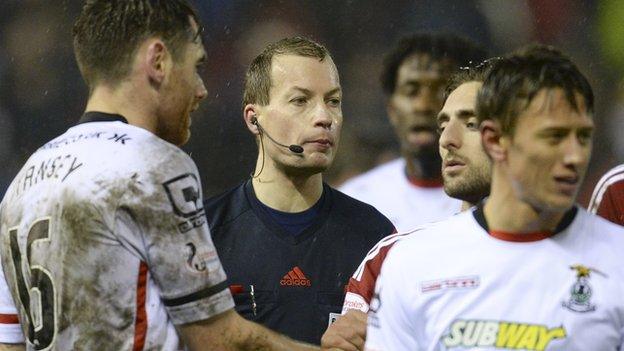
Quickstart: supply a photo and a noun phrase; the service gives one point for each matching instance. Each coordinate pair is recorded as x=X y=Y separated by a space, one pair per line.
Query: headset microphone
x=297 y=149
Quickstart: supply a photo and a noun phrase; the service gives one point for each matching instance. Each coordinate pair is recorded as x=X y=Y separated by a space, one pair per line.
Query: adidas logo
x=295 y=277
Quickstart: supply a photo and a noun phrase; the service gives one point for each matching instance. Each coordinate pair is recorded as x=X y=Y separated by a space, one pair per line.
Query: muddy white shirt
x=454 y=286
x=104 y=242
x=406 y=204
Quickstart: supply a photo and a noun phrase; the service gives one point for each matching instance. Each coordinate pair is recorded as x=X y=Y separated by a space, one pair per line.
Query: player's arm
x=229 y=331
x=12 y=347
x=390 y=320
x=362 y=283
x=348 y=333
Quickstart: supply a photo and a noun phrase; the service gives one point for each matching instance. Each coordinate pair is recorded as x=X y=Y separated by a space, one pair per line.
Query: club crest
x=581 y=290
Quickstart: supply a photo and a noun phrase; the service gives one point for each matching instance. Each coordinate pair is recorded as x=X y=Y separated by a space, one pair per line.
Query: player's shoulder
x=599 y=227
x=225 y=207
x=351 y=208
x=374 y=179
x=119 y=145
x=433 y=235
x=114 y=158
x=615 y=174
x=611 y=183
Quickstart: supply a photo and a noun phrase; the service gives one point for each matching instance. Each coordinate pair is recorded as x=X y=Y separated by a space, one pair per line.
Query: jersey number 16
x=36 y=295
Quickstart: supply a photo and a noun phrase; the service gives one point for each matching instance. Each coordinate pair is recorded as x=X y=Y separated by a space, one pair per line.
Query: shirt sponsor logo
x=198 y=261
x=295 y=277
x=467 y=282
x=354 y=302
x=183 y=193
x=501 y=335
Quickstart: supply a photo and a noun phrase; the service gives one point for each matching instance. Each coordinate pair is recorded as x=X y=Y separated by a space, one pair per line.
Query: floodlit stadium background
x=41 y=92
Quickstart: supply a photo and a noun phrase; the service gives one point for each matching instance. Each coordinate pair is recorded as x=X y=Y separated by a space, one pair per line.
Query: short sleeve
x=361 y=285
x=390 y=326
x=162 y=218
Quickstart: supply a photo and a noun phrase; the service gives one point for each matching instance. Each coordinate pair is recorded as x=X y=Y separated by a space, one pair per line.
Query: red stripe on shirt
x=8 y=319
x=140 y=322
x=520 y=237
x=425 y=183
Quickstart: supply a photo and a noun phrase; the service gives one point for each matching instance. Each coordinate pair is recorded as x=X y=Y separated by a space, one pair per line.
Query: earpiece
x=297 y=149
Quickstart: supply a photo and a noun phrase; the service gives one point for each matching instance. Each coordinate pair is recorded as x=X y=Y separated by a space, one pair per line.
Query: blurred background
x=42 y=94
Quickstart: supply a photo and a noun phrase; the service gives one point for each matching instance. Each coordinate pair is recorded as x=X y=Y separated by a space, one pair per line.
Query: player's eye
x=334 y=102
x=411 y=89
x=555 y=138
x=299 y=101
x=200 y=68
x=585 y=137
x=441 y=128
x=472 y=125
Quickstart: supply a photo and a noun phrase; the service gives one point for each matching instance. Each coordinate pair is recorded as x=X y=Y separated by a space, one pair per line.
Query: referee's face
x=305 y=108
x=548 y=153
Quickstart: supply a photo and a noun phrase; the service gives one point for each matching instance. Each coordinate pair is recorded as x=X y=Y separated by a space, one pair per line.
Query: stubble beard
x=471 y=187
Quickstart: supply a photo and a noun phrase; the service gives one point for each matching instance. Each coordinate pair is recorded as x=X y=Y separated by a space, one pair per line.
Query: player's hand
x=348 y=333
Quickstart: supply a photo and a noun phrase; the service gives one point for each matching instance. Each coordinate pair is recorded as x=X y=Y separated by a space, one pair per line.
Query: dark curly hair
x=458 y=51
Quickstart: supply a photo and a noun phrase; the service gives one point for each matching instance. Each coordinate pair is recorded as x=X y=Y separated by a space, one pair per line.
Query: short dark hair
x=258 y=76
x=108 y=32
x=514 y=80
x=455 y=50
x=472 y=73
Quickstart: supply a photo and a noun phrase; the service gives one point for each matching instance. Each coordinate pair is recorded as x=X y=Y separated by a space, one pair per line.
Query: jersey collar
x=423 y=183
x=523 y=237
x=93 y=116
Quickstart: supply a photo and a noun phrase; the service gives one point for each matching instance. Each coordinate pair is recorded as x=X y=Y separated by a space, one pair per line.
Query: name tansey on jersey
x=501 y=335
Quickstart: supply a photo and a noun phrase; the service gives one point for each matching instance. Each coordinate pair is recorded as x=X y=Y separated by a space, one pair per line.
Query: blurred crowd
x=41 y=92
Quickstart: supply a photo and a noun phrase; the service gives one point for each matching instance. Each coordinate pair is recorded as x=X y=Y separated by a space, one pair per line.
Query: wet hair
x=472 y=73
x=258 y=76
x=443 y=47
x=108 y=33
x=514 y=80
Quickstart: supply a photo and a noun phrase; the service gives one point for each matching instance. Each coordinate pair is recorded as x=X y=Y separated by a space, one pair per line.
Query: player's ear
x=156 y=61
x=250 y=115
x=494 y=143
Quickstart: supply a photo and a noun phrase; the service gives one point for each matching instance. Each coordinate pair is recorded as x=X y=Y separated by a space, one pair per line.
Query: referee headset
x=294 y=148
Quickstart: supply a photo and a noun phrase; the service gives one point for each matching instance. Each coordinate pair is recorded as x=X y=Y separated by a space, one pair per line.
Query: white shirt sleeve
x=390 y=321
x=163 y=220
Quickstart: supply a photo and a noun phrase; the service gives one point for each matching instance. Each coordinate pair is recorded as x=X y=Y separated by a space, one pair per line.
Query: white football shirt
x=407 y=205
x=454 y=286
x=105 y=244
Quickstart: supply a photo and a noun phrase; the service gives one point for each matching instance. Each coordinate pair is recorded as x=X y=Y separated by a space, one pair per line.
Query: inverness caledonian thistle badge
x=581 y=291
